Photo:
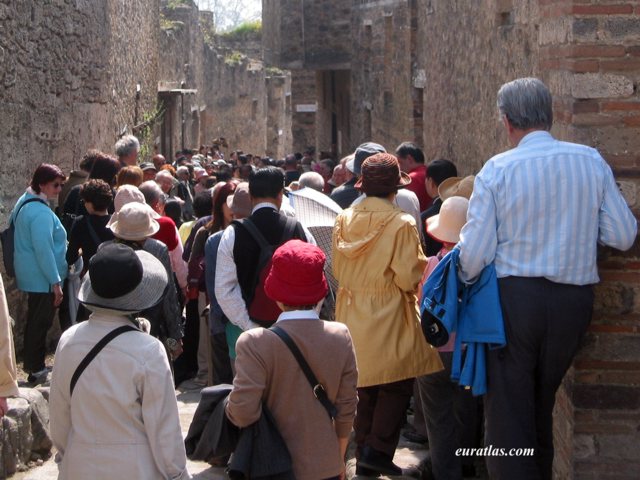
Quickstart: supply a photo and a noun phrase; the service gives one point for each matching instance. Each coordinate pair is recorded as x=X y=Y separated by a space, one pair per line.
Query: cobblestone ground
x=187 y=403
x=412 y=457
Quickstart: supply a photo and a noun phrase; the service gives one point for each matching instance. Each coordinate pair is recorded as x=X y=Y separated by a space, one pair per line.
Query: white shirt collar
x=299 y=315
x=264 y=205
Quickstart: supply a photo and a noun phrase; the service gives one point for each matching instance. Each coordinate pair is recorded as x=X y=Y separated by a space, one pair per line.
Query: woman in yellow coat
x=378 y=262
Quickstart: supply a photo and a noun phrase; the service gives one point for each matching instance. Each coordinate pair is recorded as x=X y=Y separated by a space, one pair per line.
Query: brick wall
x=590 y=55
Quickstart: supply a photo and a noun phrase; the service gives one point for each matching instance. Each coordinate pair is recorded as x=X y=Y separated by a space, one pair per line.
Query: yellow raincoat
x=378 y=262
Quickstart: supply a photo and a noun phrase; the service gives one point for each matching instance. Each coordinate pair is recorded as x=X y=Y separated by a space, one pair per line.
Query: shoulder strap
x=318 y=390
x=95 y=350
x=28 y=201
x=289 y=229
x=92 y=232
x=254 y=232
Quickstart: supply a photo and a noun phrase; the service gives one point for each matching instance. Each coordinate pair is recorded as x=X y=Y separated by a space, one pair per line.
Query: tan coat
x=266 y=371
x=378 y=262
x=122 y=420
x=8 y=385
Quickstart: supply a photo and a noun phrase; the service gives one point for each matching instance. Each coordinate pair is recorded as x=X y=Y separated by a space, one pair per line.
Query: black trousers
x=221 y=363
x=381 y=414
x=544 y=323
x=451 y=414
x=40 y=313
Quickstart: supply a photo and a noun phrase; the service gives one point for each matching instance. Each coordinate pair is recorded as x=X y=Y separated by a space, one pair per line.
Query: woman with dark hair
x=221 y=218
x=40 y=265
x=105 y=168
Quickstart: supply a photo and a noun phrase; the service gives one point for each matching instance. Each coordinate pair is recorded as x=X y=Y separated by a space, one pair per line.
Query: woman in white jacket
x=119 y=419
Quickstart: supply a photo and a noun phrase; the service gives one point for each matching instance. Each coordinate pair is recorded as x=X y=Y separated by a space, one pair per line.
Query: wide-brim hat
x=240 y=201
x=296 y=276
x=446 y=226
x=381 y=174
x=134 y=221
x=123 y=280
x=456 y=187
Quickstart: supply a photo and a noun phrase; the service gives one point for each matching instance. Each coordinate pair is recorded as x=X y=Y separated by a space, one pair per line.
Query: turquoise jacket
x=40 y=245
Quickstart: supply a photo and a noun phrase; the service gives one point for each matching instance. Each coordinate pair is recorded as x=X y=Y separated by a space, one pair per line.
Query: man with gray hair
x=127 y=149
x=537 y=212
x=312 y=180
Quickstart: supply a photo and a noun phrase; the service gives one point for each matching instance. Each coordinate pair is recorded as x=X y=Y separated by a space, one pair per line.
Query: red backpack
x=262 y=309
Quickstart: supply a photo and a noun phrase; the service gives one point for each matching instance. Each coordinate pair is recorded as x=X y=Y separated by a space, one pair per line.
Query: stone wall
x=218 y=89
x=304 y=108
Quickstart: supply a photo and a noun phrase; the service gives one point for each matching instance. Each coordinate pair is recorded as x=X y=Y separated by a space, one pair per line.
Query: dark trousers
x=186 y=365
x=221 y=363
x=451 y=414
x=381 y=414
x=40 y=313
x=544 y=323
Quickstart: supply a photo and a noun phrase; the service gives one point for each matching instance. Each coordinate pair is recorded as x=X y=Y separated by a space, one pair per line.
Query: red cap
x=296 y=276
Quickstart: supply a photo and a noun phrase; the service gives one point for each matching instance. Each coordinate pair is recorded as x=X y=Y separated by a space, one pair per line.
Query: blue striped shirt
x=540 y=209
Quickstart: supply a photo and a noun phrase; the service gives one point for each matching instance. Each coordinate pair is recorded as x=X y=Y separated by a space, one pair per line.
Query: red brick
x=623 y=106
x=603 y=428
x=595 y=119
x=596 y=51
x=581 y=66
x=602 y=9
x=586 y=106
x=628 y=64
x=612 y=328
x=634 y=50
x=550 y=64
x=632 y=121
x=630 y=277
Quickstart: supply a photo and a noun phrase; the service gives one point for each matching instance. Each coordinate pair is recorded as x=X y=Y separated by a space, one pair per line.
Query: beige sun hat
x=456 y=187
x=446 y=226
x=134 y=221
x=127 y=194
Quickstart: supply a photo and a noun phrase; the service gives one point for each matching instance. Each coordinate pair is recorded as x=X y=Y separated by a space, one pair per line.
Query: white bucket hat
x=123 y=280
x=446 y=226
x=127 y=194
x=134 y=221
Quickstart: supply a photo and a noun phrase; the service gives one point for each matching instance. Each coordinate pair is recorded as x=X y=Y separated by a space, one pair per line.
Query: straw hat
x=446 y=226
x=456 y=187
x=381 y=174
x=123 y=279
x=134 y=221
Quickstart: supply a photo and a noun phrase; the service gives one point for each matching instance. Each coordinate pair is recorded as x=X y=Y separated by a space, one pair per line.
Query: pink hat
x=446 y=226
x=296 y=276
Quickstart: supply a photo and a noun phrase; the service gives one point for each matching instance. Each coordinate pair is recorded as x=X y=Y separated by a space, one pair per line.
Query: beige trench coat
x=378 y=262
x=122 y=420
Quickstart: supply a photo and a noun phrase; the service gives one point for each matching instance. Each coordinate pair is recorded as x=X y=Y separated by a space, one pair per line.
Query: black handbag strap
x=318 y=389
x=95 y=350
x=24 y=203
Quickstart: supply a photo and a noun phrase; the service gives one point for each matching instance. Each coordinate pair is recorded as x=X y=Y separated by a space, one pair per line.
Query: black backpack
x=262 y=309
x=7 y=238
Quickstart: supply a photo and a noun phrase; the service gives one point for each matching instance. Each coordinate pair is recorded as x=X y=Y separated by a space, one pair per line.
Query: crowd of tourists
x=205 y=271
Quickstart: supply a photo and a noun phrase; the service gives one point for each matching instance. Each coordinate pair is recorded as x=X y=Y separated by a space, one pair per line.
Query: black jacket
x=259 y=450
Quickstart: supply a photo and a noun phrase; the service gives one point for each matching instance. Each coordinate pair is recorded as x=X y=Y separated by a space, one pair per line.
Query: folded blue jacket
x=472 y=311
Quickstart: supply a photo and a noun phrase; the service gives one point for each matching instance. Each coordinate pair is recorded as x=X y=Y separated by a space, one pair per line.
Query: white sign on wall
x=307 y=107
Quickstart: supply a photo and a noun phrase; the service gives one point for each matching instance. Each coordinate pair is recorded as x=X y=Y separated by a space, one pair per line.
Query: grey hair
x=312 y=180
x=126 y=145
x=527 y=103
x=151 y=191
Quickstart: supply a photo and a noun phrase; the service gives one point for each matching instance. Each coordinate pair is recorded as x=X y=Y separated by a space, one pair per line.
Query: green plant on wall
x=144 y=131
x=234 y=59
x=173 y=4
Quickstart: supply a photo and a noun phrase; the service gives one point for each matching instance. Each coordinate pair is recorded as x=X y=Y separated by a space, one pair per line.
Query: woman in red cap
x=266 y=371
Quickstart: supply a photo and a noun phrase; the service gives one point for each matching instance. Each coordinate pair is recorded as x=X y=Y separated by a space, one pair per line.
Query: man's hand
x=177 y=350
x=57 y=295
x=4 y=408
